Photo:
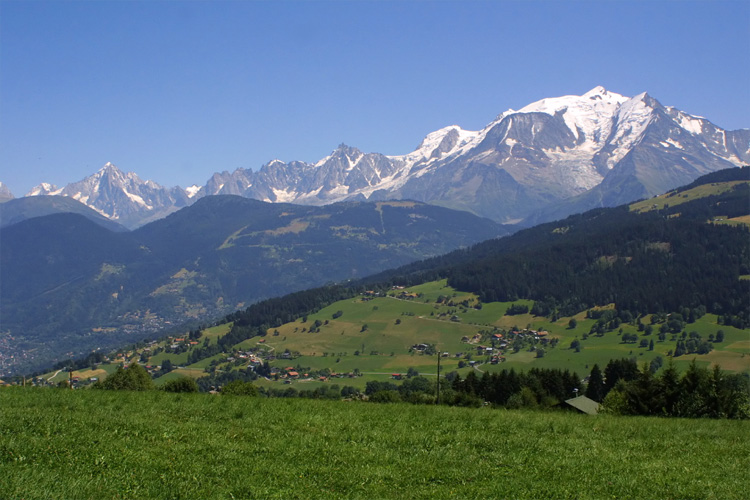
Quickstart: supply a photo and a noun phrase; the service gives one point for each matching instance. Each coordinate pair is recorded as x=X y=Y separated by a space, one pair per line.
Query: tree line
x=699 y=392
x=622 y=388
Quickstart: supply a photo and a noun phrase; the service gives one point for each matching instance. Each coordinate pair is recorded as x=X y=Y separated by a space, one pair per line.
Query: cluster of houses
x=500 y=343
x=369 y=295
x=401 y=293
x=10 y=355
x=290 y=374
x=179 y=344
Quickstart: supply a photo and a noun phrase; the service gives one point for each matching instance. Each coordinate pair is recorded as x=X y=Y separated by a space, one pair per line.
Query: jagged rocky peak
x=109 y=167
x=123 y=197
x=545 y=153
x=596 y=93
x=5 y=193
x=43 y=189
x=110 y=170
x=441 y=143
x=114 y=174
x=346 y=151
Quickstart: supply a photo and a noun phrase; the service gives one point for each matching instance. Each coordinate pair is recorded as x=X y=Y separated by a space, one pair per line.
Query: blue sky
x=175 y=91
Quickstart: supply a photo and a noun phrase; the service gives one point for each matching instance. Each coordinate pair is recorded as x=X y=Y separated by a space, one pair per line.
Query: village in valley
x=378 y=335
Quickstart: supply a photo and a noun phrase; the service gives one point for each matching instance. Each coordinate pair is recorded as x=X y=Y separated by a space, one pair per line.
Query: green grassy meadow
x=57 y=443
x=384 y=345
x=393 y=325
x=674 y=198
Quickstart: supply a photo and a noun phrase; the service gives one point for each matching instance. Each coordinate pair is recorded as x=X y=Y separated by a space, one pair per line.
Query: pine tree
x=670 y=382
x=595 y=389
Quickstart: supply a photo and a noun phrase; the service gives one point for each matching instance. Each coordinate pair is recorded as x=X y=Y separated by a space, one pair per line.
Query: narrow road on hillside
x=403 y=375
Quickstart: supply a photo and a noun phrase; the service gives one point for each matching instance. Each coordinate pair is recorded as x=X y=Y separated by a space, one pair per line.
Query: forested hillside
x=643 y=263
x=683 y=258
x=70 y=285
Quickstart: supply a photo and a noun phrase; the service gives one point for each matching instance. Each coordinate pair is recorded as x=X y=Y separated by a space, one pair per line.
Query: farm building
x=583 y=405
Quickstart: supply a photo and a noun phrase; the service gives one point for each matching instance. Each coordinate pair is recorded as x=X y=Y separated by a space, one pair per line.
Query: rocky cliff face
x=552 y=158
x=120 y=196
x=5 y=193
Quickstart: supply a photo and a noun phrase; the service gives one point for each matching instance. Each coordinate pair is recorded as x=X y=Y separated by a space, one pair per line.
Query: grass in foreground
x=100 y=444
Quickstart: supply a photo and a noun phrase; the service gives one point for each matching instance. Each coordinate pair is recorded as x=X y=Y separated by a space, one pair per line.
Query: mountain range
x=552 y=158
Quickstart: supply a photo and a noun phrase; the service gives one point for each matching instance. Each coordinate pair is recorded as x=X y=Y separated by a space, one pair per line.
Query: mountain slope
x=678 y=258
x=20 y=209
x=646 y=261
x=69 y=284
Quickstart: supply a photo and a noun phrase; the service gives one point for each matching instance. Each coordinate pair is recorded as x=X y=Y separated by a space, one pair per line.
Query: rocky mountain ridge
x=5 y=193
x=551 y=158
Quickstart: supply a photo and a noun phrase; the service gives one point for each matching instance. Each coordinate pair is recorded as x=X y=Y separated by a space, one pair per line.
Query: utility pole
x=438 y=376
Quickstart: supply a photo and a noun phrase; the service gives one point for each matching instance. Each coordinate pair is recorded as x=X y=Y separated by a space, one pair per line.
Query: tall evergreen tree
x=596 y=389
x=670 y=383
x=619 y=369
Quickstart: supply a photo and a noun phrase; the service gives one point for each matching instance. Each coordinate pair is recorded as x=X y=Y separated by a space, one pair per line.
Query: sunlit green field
x=85 y=444
x=384 y=345
x=343 y=344
x=673 y=199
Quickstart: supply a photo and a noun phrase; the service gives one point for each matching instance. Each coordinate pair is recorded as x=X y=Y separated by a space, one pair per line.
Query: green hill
x=395 y=325
x=374 y=338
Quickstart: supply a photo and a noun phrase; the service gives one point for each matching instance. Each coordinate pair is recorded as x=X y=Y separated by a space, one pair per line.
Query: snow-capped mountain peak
x=601 y=147
x=192 y=190
x=5 y=193
x=597 y=92
x=44 y=189
x=438 y=145
x=589 y=114
x=596 y=96
x=119 y=196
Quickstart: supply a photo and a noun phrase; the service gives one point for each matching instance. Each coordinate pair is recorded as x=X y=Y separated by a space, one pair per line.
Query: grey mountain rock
x=552 y=158
x=122 y=197
x=5 y=193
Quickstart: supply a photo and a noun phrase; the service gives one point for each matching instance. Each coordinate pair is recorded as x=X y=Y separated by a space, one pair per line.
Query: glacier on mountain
x=595 y=149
